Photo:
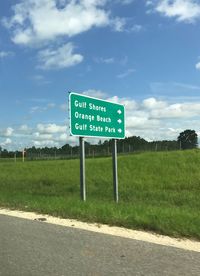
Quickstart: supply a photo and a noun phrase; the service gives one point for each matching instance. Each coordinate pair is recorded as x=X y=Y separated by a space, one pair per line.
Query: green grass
x=158 y=192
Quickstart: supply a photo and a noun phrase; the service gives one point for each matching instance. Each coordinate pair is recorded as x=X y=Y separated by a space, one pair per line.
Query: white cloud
x=50 y=128
x=64 y=107
x=51 y=105
x=40 y=79
x=182 y=10
x=42 y=136
x=152 y=103
x=136 y=28
x=35 y=109
x=119 y=24
x=150 y=118
x=63 y=137
x=197 y=66
x=95 y=93
x=178 y=110
x=24 y=128
x=6 y=132
x=59 y=58
x=5 y=143
x=130 y=104
x=45 y=143
x=141 y=122
x=109 y=60
x=126 y=73
x=9 y=131
x=40 y=21
x=3 y=54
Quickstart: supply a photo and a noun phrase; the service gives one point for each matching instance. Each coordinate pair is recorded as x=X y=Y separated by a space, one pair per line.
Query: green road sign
x=96 y=118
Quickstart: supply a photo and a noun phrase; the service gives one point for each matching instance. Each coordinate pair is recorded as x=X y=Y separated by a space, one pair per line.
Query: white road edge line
x=185 y=244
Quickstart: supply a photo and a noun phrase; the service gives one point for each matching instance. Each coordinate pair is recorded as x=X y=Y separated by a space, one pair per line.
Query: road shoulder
x=185 y=244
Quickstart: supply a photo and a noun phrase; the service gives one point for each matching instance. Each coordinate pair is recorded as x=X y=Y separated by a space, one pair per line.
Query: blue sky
x=144 y=54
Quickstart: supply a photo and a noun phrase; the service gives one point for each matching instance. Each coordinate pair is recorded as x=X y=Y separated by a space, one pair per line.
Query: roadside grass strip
x=158 y=191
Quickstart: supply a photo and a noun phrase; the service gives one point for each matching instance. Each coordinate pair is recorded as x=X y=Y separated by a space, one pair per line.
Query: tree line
x=187 y=139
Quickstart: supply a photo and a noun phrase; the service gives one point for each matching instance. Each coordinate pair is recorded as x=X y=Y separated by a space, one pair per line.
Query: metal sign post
x=115 y=174
x=82 y=168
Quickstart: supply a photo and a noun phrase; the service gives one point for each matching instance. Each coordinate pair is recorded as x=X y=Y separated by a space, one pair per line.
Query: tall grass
x=157 y=191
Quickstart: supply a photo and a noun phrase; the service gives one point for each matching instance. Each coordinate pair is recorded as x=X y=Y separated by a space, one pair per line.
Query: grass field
x=158 y=191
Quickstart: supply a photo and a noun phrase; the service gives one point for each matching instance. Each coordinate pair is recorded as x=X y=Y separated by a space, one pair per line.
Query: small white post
x=23 y=152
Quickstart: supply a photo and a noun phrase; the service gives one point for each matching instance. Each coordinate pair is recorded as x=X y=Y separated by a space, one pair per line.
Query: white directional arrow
x=119 y=130
x=119 y=121
x=119 y=111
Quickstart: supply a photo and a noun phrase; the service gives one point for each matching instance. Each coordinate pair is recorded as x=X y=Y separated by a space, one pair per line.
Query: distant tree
x=188 y=139
x=99 y=143
x=66 y=149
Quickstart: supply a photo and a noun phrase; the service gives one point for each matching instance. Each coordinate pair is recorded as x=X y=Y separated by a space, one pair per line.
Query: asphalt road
x=33 y=248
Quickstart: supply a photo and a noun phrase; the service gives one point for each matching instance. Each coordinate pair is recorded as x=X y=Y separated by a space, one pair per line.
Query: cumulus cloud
x=40 y=21
x=42 y=136
x=178 y=110
x=59 y=58
x=6 y=132
x=182 y=10
x=156 y=119
x=150 y=118
x=9 y=131
x=50 y=128
x=24 y=128
x=152 y=103
x=44 y=22
x=7 y=142
x=130 y=104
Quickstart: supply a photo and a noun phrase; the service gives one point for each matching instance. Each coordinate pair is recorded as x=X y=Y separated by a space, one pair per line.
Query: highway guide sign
x=91 y=117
